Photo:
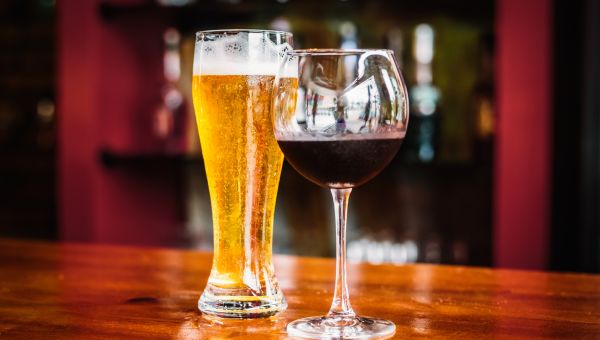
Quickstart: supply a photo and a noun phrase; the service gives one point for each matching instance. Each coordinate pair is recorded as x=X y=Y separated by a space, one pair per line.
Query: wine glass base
x=323 y=327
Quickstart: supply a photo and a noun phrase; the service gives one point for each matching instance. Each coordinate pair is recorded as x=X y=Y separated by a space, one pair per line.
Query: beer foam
x=220 y=68
x=241 y=54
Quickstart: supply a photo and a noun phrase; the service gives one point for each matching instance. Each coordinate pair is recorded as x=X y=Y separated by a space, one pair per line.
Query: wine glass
x=340 y=117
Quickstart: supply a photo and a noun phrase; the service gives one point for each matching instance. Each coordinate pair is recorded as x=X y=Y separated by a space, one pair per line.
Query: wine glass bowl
x=352 y=103
x=339 y=117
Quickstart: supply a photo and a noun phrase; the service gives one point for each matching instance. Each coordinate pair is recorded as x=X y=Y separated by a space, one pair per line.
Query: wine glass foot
x=358 y=327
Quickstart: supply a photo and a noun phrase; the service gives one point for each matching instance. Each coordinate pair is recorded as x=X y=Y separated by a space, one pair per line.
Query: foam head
x=239 y=53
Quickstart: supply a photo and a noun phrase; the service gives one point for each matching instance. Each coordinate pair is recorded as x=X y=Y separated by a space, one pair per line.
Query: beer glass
x=339 y=124
x=232 y=84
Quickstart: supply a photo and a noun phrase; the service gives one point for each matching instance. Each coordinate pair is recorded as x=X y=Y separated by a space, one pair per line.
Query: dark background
x=135 y=187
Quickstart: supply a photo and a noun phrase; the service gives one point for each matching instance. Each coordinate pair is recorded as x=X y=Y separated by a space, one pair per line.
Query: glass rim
x=242 y=30
x=334 y=51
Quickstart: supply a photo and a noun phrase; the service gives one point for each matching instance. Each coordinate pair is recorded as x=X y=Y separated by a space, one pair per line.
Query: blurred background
x=501 y=165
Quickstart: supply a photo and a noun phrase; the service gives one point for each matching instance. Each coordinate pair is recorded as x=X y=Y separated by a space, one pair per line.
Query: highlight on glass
x=339 y=124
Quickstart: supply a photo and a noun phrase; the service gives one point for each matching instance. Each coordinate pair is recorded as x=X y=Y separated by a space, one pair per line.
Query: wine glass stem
x=340 y=307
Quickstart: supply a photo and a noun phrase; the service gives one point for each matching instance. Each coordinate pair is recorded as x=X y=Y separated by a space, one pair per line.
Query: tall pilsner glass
x=232 y=84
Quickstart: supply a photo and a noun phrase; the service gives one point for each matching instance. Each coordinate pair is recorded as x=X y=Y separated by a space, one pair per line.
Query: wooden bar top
x=98 y=292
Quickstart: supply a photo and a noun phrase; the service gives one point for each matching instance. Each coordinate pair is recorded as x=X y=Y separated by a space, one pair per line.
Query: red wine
x=340 y=163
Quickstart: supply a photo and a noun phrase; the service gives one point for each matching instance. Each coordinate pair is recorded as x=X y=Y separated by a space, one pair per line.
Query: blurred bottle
x=170 y=116
x=46 y=113
x=348 y=35
x=192 y=141
x=394 y=41
x=348 y=41
x=421 y=138
x=483 y=119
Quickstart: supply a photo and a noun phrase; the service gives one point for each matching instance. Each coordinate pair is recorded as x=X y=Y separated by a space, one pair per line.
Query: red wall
x=523 y=144
x=109 y=82
x=77 y=141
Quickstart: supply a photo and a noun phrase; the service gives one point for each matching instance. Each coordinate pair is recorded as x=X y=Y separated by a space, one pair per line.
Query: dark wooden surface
x=94 y=292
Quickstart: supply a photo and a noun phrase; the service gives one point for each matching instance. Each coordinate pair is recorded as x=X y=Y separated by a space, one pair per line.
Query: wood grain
x=98 y=292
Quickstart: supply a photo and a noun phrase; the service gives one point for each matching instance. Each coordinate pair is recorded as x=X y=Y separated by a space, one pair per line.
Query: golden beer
x=243 y=163
x=232 y=86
